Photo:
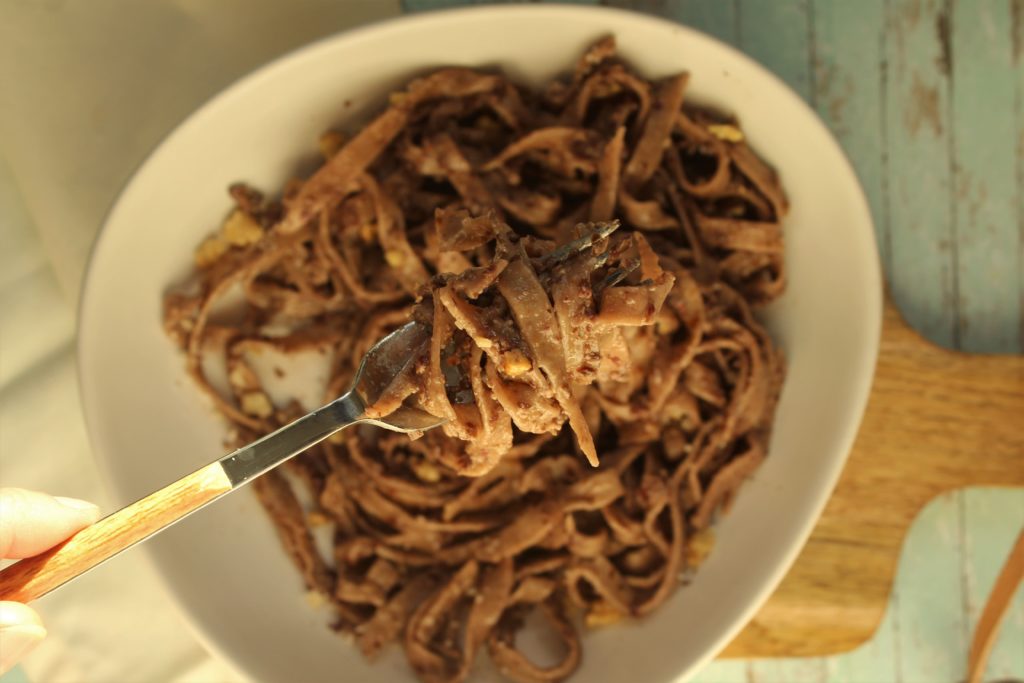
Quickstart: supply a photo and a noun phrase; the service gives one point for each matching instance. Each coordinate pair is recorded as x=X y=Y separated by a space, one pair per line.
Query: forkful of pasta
x=398 y=386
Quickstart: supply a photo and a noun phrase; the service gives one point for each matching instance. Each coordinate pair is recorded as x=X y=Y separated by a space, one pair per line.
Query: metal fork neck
x=251 y=461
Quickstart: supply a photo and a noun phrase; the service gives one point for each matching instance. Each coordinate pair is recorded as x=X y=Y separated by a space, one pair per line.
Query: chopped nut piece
x=315 y=599
x=257 y=404
x=726 y=131
x=330 y=142
x=394 y=258
x=210 y=251
x=240 y=229
x=317 y=518
x=667 y=322
x=241 y=376
x=699 y=547
x=602 y=614
x=425 y=470
x=515 y=363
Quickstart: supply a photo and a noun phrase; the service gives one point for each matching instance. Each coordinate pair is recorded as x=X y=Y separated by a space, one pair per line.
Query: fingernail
x=17 y=641
x=79 y=506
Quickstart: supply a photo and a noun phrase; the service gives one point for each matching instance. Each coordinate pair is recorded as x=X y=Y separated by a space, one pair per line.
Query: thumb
x=20 y=631
x=31 y=522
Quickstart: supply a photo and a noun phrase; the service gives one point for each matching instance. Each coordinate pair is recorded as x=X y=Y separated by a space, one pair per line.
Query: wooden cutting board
x=936 y=420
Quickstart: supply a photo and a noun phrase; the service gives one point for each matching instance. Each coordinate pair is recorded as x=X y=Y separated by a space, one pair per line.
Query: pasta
x=603 y=404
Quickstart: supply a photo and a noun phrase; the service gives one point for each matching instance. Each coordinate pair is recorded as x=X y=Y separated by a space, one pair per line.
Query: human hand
x=31 y=522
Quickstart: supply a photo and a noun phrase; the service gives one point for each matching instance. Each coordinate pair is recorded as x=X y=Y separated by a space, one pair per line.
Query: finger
x=20 y=631
x=31 y=522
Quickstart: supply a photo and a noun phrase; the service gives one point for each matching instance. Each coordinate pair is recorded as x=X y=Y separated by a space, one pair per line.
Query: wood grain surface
x=33 y=577
x=937 y=420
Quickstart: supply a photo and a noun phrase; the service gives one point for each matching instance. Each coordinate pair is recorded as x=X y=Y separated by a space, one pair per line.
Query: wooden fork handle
x=998 y=603
x=33 y=577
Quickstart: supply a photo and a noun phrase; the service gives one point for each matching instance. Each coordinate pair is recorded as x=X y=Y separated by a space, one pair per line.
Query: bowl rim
x=866 y=359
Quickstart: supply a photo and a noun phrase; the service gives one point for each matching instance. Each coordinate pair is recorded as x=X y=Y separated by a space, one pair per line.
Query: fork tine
x=600 y=231
x=407 y=420
x=618 y=275
x=388 y=357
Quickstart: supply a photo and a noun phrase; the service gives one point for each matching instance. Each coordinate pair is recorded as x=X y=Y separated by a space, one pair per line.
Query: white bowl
x=225 y=567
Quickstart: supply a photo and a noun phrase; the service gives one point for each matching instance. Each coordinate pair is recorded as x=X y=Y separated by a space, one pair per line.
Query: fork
x=33 y=577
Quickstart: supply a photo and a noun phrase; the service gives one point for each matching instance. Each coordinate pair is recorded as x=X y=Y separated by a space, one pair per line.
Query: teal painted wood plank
x=718 y=18
x=988 y=241
x=922 y=258
x=874 y=661
x=987 y=82
x=848 y=44
x=15 y=675
x=1017 y=22
x=778 y=34
x=929 y=638
x=993 y=518
x=805 y=670
x=724 y=671
x=932 y=636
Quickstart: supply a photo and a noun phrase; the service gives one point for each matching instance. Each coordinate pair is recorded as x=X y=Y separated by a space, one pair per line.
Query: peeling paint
x=1017 y=29
x=945 y=59
x=924 y=107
